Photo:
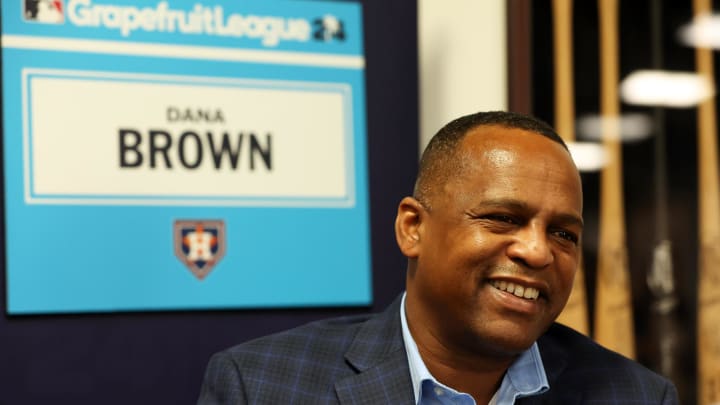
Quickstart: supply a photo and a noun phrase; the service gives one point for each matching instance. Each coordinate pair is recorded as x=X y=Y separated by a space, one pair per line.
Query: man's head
x=440 y=159
x=492 y=234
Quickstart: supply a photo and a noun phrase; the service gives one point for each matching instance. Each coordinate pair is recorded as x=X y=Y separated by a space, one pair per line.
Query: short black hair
x=439 y=159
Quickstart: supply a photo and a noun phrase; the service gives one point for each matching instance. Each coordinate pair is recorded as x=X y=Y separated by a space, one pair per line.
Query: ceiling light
x=703 y=31
x=588 y=156
x=633 y=127
x=664 y=88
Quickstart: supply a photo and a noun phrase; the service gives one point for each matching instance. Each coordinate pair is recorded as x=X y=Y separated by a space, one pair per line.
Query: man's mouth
x=528 y=293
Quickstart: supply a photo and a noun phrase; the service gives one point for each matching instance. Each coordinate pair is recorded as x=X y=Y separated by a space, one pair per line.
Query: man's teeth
x=518 y=290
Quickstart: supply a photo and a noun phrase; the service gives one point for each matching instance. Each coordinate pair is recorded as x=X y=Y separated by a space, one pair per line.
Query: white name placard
x=185 y=140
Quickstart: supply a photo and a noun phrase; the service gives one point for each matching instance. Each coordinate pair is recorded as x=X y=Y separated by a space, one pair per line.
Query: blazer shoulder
x=582 y=352
x=575 y=362
x=303 y=364
x=328 y=337
x=333 y=334
x=296 y=365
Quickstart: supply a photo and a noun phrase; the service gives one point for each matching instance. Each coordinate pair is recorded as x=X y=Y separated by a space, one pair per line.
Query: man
x=492 y=237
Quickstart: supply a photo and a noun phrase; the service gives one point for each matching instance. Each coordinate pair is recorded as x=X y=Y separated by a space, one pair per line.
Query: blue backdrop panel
x=184 y=155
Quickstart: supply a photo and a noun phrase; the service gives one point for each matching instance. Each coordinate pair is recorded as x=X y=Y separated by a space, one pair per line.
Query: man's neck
x=478 y=377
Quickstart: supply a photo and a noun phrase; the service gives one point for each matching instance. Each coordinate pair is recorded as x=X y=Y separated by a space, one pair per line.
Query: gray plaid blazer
x=362 y=360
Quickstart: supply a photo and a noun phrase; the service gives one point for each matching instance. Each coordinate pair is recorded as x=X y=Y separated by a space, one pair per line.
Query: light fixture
x=588 y=156
x=633 y=127
x=702 y=32
x=665 y=88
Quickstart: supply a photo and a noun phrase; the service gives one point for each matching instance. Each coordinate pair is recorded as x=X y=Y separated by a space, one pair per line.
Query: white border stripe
x=182 y=51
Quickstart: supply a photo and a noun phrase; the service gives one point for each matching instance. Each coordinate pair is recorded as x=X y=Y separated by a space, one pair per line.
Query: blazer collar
x=555 y=359
x=377 y=354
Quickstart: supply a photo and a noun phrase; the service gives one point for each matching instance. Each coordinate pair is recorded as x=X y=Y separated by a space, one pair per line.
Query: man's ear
x=407 y=226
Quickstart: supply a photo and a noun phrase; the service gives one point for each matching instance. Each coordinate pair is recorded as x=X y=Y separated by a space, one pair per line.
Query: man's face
x=510 y=217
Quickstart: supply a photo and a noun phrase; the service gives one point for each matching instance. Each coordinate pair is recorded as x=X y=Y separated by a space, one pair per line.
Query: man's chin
x=507 y=340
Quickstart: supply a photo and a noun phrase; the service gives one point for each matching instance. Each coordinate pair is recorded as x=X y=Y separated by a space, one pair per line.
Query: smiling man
x=492 y=236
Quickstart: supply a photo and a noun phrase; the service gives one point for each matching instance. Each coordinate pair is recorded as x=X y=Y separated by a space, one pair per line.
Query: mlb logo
x=199 y=244
x=44 y=11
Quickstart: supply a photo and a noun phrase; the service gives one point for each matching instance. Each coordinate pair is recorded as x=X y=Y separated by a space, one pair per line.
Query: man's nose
x=531 y=247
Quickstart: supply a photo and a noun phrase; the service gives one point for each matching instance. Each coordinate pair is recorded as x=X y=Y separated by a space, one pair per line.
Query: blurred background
x=428 y=62
x=677 y=160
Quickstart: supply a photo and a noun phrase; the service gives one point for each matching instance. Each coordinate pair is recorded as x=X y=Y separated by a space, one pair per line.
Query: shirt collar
x=525 y=377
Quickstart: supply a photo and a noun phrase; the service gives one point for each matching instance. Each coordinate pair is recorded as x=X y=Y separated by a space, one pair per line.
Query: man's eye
x=502 y=218
x=569 y=236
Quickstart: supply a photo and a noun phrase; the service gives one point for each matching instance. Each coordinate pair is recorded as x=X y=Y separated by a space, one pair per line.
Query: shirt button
x=439 y=391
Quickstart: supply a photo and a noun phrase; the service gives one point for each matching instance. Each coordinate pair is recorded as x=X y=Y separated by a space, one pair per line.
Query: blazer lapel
x=378 y=356
x=555 y=360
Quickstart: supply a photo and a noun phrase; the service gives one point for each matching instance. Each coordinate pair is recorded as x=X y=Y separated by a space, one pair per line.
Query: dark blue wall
x=159 y=357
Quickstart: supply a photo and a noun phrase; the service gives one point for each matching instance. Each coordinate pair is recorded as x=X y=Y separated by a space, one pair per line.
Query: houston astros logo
x=199 y=244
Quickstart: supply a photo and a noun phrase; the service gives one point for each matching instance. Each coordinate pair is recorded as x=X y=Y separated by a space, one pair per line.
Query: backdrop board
x=178 y=154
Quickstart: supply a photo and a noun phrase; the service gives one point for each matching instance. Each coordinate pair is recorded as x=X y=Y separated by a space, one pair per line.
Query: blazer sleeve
x=222 y=384
x=671 y=395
